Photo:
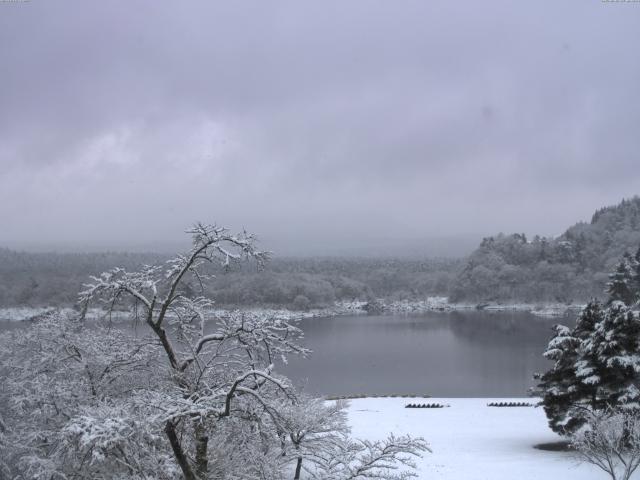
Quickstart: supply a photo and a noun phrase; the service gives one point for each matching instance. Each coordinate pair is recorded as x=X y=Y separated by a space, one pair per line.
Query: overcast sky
x=322 y=126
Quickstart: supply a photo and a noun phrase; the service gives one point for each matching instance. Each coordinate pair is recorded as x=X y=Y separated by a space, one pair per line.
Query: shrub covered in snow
x=610 y=440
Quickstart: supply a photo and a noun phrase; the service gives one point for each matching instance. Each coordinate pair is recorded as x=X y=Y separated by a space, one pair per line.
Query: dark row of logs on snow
x=492 y=404
x=509 y=404
x=424 y=405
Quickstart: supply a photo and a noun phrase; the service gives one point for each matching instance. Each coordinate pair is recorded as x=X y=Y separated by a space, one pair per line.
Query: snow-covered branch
x=199 y=397
x=610 y=440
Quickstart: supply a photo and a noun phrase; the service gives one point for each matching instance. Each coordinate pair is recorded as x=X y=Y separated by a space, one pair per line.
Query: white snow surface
x=471 y=441
x=430 y=304
x=19 y=314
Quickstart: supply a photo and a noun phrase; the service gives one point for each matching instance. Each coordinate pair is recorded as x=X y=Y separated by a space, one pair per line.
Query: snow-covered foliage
x=321 y=448
x=364 y=459
x=610 y=440
x=316 y=429
x=219 y=367
x=569 y=268
x=624 y=281
x=597 y=363
x=65 y=396
x=188 y=395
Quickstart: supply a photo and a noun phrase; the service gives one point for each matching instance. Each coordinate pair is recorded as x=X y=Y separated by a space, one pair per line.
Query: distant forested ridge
x=573 y=267
x=54 y=279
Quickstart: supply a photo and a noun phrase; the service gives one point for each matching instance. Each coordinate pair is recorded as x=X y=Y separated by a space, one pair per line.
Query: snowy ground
x=430 y=304
x=339 y=308
x=471 y=441
x=442 y=304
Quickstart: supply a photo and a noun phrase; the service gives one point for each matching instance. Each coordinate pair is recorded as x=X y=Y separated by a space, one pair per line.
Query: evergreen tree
x=597 y=363
x=636 y=274
x=588 y=368
x=615 y=345
x=556 y=386
x=571 y=384
x=621 y=286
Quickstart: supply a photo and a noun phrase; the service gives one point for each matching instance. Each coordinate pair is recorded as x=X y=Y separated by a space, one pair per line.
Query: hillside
x=54 y=279
x=570 y=268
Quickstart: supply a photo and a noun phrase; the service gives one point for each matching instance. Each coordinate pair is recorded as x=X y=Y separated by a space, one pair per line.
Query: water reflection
x=457 y=354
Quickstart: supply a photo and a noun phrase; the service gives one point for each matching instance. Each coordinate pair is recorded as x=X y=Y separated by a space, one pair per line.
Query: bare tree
x=611 y=441
x=322 y=448
x=316 y=430
x=390 y=459
x=195 y=397
x=212 y=361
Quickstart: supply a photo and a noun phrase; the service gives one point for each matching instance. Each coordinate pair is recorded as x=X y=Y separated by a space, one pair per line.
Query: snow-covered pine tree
x=636 y=274
x=621 y=286
x=570 y=384
x=556 y=386
x=597 y=363
x=588 y=368
x=614 y=344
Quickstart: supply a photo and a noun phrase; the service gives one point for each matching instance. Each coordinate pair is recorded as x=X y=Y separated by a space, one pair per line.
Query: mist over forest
x=570 y=268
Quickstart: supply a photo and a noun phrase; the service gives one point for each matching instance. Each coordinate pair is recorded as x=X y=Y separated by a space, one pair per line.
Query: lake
x=454 y=354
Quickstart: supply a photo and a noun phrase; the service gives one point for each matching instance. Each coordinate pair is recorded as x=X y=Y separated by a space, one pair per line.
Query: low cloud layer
x=322 y=126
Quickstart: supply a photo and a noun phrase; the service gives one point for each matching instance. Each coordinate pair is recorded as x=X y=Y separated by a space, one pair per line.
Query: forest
x=570 y=268
x=53 y=279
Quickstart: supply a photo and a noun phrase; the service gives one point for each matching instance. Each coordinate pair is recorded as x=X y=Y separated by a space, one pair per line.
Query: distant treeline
x=571 y=267
x=52 y=279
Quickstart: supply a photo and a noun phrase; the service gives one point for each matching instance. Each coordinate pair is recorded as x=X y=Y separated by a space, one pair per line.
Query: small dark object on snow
x=561 y=446
x=509 y=404
x=424 y=405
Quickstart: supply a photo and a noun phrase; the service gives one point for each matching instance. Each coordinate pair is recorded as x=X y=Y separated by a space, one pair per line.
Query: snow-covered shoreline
x=430 y=304
x=23 y=314
x=20 y=314
x=442 y=304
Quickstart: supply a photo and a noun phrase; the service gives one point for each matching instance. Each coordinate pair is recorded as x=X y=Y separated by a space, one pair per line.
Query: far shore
x=356 y=307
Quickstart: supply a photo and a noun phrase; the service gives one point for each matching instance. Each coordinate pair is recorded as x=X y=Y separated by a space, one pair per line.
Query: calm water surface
x=458 y=354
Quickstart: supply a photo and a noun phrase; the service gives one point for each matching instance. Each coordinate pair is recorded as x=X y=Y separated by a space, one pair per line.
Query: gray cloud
x=320 y=125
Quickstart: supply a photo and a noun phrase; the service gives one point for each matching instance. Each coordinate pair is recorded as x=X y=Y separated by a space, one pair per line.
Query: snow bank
x=429 y=304
x=471 y=441
x=19 y=314
x=339 y=308
x=434 y=304
x=557 y=310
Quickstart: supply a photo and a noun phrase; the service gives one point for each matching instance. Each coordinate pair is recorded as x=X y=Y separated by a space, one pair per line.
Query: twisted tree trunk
x=298 y=469
x=202 y=444
x=178 y=452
